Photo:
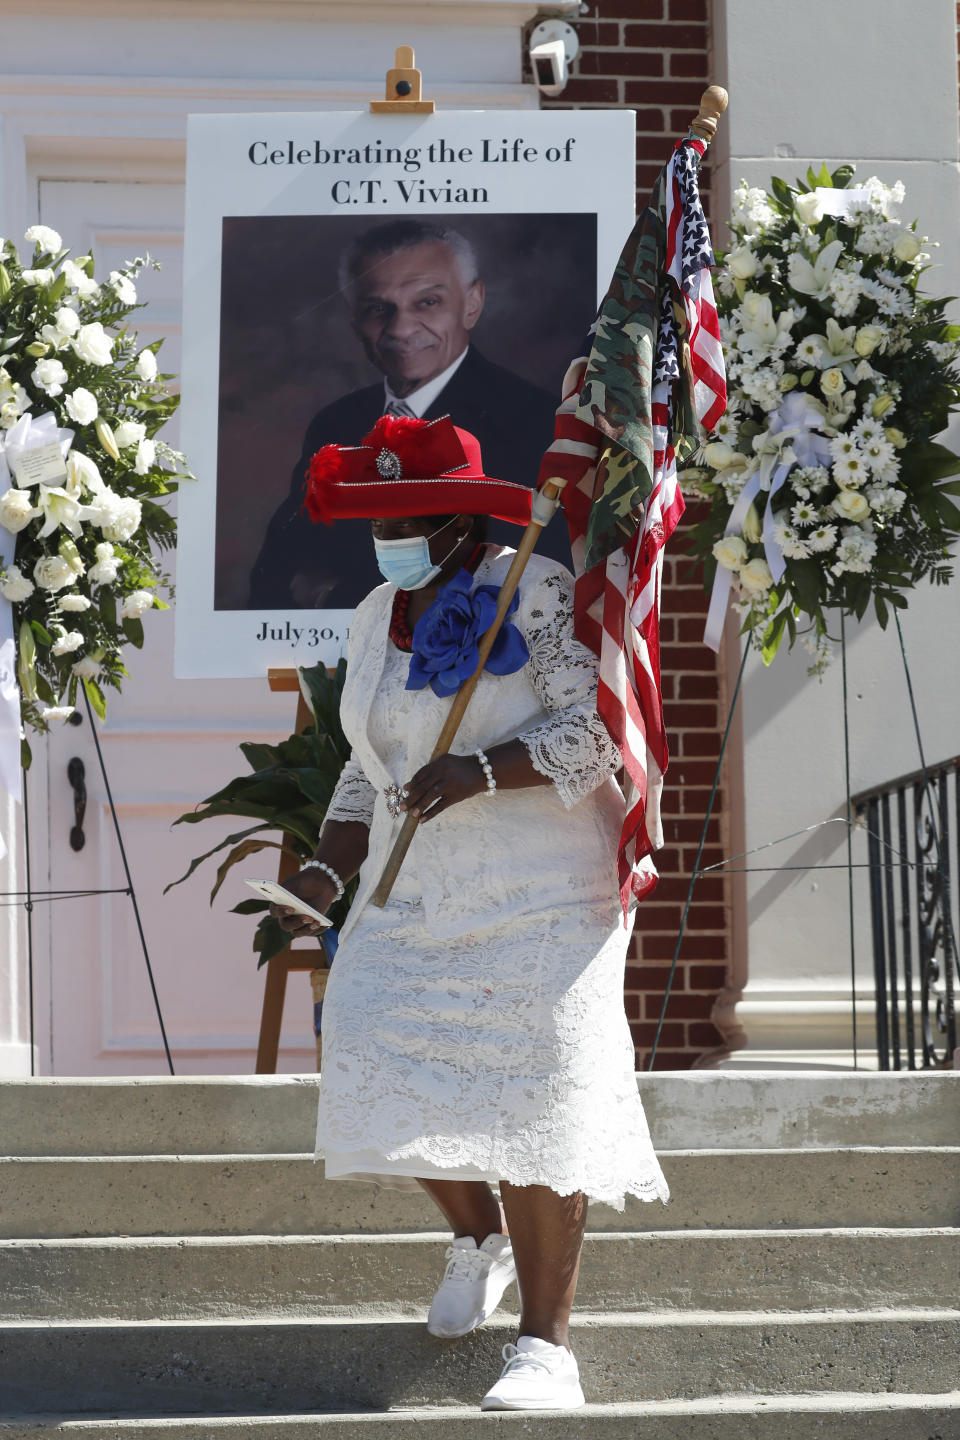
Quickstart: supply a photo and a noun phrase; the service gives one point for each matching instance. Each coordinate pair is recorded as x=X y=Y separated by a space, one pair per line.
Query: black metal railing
x=912 y=826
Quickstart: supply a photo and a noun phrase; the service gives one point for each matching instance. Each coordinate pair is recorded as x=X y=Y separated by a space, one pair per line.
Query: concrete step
x=287 y=1195
x=216 y=1367
x=365 y=1277
x=687 y=1110
x=750 y=1417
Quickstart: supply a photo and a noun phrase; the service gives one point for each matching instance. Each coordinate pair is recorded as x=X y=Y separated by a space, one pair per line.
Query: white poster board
x=333 y=261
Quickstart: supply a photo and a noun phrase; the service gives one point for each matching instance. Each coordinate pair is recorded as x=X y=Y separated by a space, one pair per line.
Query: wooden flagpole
x=544 y=505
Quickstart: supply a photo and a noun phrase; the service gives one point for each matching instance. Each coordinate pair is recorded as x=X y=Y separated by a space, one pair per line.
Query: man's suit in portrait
x=303 y=565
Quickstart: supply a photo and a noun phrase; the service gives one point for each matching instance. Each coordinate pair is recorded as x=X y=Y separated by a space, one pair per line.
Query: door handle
x=76 y=774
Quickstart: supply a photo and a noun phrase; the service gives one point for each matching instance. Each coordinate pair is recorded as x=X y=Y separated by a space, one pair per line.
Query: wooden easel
x=403 y=96
x=275 y=985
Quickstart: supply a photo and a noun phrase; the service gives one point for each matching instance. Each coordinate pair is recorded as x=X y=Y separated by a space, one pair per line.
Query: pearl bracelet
x=327 y=870
x=488 y=772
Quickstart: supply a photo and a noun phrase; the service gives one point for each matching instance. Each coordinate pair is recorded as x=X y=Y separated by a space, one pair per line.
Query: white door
x=166 y=743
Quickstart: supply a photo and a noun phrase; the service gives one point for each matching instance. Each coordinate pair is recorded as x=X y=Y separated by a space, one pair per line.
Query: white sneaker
x=472 y=1285
x=537 y=1376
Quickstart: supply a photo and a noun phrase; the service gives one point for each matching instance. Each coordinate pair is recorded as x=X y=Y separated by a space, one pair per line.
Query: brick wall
x=652 y=55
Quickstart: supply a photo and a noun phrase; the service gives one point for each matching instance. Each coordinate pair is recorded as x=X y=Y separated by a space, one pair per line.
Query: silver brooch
x=394 y=794
x=388 y=465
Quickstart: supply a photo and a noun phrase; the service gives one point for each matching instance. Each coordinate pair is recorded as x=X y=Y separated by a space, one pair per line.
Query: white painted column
x=875 y=85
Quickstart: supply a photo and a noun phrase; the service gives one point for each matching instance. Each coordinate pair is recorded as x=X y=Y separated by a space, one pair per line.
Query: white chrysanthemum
x=809 y=351
x=86 y=668
x=880 y=455
x=146 y=456
x=846 y=289
x=66 y=642
x=814 y=477
x=47 y=240
x=886 y=500
x=57 y=712
x=850 y=471
x=855 y=553
x=843 y=446
x=82 y=406
x=75 y=602
x=726 y=429
x=107 y=566
x=40 y=278
x=14 y=585
x=136 y=604
x=52 y=572
x=146 y=366
x=126 y=520
x=867 y=429
x=944 y=351
x=128 y=433
x=49 y=376
x=823 y=538
x=123 y=287
x=794 y=546
x=751 y=209
x=79 y=280
x=803 y=513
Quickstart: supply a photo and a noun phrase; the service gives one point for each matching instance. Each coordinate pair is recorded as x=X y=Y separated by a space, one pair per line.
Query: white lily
x=836 y=346
x=761 y=331
x=58 y=508
x=814 y=279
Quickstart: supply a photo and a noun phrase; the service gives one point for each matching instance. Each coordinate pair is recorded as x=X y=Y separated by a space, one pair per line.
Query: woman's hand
x=317 y=889
x=441 y=783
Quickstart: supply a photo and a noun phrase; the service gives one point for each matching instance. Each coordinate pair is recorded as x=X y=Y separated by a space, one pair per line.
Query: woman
x=473 y=1028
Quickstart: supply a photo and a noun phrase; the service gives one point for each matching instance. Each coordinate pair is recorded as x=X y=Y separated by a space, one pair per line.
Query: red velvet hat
x=409 y=467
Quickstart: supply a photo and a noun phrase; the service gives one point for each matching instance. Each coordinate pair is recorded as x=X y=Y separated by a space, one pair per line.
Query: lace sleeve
x=353 y=797
x=571 y=747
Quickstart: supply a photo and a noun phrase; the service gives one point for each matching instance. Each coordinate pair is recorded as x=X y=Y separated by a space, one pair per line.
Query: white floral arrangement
x=83 y=477
x=826 y=486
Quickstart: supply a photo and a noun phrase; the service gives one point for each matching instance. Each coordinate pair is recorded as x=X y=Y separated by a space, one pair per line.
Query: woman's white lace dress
x=474 y=1027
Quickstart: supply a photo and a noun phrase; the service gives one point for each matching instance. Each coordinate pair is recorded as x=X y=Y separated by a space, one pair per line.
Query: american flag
x=627 y=411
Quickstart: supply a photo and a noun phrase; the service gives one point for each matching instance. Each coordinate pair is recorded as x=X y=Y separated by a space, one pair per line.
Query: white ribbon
x=29 y=433
x=791 y=438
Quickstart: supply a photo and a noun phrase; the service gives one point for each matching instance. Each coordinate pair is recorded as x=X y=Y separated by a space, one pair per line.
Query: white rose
x=82 y=473
x=49 y=376
x=867 y=339
x=14 y=585
x=37 y=277
x=129 y=432
x=66 y=320
x=82 y=406
x=718 y=455
x=79 y=280
x=85 y=668
x=832 y=383
x=45 y=239
x=126 y=520
x=851 y=505
x=146 y=456
x=75 y=602
x=136 y=605
x=52 y=572
x=755 y=577
x=809 y=208
x=66 y=643
x=105 y=571
x=146 y=366
x=123 y=287
x=93 y=344
x=906 y=249
x=57 y=712
x=742 y=263
x=730 y=552
x=16 y=510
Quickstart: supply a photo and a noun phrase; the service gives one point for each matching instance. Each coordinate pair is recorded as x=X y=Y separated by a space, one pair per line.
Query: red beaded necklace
x=400 y=631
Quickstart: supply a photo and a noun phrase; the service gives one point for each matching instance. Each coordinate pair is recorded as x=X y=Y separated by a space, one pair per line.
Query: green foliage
x=286 y=791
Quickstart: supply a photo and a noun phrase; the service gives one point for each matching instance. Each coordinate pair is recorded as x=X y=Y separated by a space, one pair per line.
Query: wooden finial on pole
x=403 y=88
x=713 y=102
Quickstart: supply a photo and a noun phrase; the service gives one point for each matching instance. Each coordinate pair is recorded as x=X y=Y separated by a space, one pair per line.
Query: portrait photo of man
x=417 y=303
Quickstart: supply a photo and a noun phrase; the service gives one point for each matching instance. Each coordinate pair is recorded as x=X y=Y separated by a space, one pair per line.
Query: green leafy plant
x=286 y=794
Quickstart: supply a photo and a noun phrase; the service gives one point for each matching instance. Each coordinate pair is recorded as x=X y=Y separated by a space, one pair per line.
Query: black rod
x=846 y=772
x=126 y=868
x=28 y=906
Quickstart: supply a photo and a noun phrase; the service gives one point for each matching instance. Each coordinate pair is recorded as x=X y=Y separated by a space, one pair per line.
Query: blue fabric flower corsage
x=446 y=638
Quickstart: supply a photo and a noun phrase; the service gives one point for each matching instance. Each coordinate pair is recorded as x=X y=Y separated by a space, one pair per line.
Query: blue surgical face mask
x=407 y=563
